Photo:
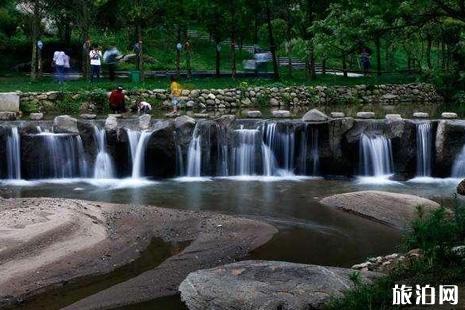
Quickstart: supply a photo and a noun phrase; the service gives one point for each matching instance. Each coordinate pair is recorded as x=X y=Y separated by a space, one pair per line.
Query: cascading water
x=138 y=164
x=13 y=156
x=424 y=149
x=194 y=155
x=303 y=167
x=244 y=155
x=63 y=156
x=458 y=169
x=103 y=168
x=282 y=145
x=133 y=137
x=376 y=155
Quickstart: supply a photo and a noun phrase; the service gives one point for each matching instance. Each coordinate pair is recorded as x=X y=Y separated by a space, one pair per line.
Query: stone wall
x=213 y=99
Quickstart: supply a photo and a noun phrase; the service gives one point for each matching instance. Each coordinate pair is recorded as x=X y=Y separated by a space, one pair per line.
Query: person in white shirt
x=95 y=56
x=59 y=58
x=144 y=107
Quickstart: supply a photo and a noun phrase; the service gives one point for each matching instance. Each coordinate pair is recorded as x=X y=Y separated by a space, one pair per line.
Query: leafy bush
x=68 y=106
x=263 y=100
x=29 y=107
x=100 y=99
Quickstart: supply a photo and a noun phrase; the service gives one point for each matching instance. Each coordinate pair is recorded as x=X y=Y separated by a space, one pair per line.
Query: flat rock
x=366 y=115
x=266 y=285
x=315 y=115
x=9 y=102
x=65 y=124
x=281 y=114
x=393 y=117
x=183 y=120
x=392 y=209
x=36 y=116
x=338 y=114
x=7 y=116
x=449 y=115
x=88 y=116
x=253 y=114
x=420 y=115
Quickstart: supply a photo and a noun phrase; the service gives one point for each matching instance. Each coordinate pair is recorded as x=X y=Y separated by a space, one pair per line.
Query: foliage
x=28 y=107
x=435 y=234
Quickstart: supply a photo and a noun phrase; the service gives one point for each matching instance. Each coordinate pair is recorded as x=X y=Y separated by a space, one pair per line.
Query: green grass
x=435 y=234
x=23 y=83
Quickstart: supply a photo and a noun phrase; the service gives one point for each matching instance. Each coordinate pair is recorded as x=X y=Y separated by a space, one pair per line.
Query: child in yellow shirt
x=176 y=91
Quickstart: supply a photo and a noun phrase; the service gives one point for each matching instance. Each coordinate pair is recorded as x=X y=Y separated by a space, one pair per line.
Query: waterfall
x=424 y=149
x=13 y=156
x=315 y=151
x=376 y=155
x=138 y=164
x=458 y=169
x=194 y=155
x=133 y=138
x=103 y=164
x=244 y=155
x=282 y=145
x=62 y=157
x=303 y=163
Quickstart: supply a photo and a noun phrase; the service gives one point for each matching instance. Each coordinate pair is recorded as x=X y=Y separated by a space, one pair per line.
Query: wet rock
x=420 y=115
x=338 y=114
x=88 y=116
x=459 y=251
x=315 y=115
x=393 y=116
x=111 y=123
x=267 y=285
x=36 y=116
x=392 y=209
x=7 y=116
x=366 y=115
x=183 y=121
x=65 y=124
x=450 y=138
x=461 y=188
x=161 y=151
x=335 y=156
x=449 y=115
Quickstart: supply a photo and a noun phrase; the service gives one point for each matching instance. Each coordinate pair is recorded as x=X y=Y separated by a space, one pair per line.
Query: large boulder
x=461 y=188
x=65 y=124
x=450 y=139
x=111 y=123
x=160 y=158
x=315 y=115
x=7 y=116
x=145 y=121
x=392 y=209
x=9 y=102
x=267 y=285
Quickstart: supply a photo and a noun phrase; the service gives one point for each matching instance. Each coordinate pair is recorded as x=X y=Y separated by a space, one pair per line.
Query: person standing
x=59 y=63
x=176 y=91
x=111 y=58
x=365 y=61
x=95 y=56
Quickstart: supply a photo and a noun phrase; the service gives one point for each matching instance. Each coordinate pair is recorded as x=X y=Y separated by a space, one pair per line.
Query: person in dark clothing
x=116 y=100
x=365 y=61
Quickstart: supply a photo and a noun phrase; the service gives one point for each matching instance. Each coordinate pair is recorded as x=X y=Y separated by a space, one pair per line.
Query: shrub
x=29 y=107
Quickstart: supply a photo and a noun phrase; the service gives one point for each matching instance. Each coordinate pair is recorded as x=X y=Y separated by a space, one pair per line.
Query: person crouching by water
x=176 y=91
x=117 y=104
x=144 y=107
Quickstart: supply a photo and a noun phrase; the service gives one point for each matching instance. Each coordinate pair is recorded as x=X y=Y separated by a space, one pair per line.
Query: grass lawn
x=16 y=82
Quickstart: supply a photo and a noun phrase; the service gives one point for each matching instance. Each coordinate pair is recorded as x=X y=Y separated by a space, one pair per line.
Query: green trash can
x=135 y=76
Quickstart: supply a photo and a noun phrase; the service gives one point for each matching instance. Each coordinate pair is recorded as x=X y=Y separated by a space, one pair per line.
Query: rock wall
x=217 y=99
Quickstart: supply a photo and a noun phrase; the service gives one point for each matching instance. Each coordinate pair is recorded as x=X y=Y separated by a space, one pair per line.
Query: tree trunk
x=323 y=66
x=233 y=40
x=35 y=38
x=140 y=58
x=429 y=42
x=272 y=43
x=289 y=38
x=311 y=62
x=178 y=54
x=344 y=65
x=218 y=59
x=378 y=55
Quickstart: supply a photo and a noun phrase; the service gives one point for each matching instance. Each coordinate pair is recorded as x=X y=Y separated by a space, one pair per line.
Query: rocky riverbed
x=47 y=242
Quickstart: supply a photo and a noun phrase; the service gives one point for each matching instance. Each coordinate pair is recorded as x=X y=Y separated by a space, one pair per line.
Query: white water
x=244 y=154
x=315 y=151
x=458 y=169
x=282 y=145
x=13 y=155
x=103 y=168
x=138 y=165
x=194 y=155
x=424 y=149
x=133 y=137
x=376 y=156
